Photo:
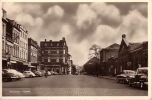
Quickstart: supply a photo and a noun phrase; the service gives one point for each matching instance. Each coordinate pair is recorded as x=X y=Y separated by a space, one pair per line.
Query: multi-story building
x=12 y=43
x=23 y=45
x=39 y=64
x=55 y=55
x=4 y=23
x=32 y=53
x=105 y=54
x=132 y=55
x=70 y=64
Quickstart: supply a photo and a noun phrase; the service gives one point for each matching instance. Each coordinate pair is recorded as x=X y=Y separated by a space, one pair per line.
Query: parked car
x=19 y=74
x=49 y=74
x=123 y=77
x=38 y=73
x=53 y=73
x=76 y=73
x=15 y=72
x=140 y=78
x=8 y=77
x=29 y=74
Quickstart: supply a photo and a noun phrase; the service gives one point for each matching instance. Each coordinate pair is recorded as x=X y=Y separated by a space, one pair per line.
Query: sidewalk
x=108 y=77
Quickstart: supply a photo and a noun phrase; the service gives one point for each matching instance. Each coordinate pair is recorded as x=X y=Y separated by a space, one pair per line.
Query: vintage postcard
x=68 y=50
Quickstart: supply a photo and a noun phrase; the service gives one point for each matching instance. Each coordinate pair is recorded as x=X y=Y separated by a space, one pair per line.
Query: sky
x=82 y=24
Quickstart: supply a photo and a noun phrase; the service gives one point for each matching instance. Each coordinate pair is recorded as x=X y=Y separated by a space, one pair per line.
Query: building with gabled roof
x=129 y=55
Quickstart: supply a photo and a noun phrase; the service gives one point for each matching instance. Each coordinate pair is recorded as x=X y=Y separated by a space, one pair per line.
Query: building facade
x=32 y=53
x=132 y=55
x=54 y=55
x=40 y=66
x=70 y=64
x=23 y=45
x=12 y=43
x=105 y=54
x=4 y=23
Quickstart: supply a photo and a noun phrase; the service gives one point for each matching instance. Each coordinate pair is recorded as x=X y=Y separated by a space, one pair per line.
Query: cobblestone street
x=69 y=85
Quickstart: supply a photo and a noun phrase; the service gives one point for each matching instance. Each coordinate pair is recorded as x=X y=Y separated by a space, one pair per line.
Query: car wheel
x=5 y=79
x=142 y=85
x=31 y=76
x=123 y=82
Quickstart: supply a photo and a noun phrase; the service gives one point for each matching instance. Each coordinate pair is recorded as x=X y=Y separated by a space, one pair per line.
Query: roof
x=113 y=46
x=126 y=42
x=134 y=45
x=143 y=68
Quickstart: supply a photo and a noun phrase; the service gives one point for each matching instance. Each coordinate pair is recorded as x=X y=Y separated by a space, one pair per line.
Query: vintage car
x=38 y=73
x=123 y=77
x=140 y=78
x=8 y=77
x=29 y=74
x=18 y=74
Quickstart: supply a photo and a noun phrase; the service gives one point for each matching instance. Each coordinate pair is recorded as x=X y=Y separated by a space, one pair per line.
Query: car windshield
x=143 y=71
x=129 y=72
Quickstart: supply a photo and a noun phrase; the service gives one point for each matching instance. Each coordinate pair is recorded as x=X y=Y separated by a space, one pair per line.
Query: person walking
x=46 y=73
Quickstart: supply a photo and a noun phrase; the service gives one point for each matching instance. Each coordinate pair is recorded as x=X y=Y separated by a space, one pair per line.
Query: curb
x=107 y=78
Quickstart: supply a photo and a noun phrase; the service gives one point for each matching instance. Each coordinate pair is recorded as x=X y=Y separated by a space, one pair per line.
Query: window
x=42 y=60
x=53 y=60
x=60 y=52
x=57 y=60
x=3 y=45
x=60 y=60
x=63 y=51
x=49 y=51
x=3 y=29
x=57 y=51
x=49 y=59
x=45 y=44
x=45 y=60
x=46 y=52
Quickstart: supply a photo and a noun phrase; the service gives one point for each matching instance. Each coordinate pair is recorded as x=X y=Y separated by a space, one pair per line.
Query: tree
x=94 y=51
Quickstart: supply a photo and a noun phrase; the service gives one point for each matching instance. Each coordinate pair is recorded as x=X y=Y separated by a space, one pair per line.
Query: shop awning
x=13 y=61
x=32 y=66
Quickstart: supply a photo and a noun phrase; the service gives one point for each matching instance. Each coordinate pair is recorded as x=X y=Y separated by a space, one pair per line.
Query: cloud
x=135 y=26
x=12 y=8
x=97 y=13
x=107 y=12
x=142 y=8
x=90 y=16
x=94 y=23
x=85 y=16
x=104 y=35
x=55 y=11
x=31 y=23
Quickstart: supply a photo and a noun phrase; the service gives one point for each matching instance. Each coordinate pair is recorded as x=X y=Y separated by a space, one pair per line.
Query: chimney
x=124 y=36
x=63 y=38
x=4 y=14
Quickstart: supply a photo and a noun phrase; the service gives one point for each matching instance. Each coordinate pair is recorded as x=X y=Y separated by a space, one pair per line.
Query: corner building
x=54 y=55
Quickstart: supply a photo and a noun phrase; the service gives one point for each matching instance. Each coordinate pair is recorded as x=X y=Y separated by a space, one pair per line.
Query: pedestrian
x=46 y=74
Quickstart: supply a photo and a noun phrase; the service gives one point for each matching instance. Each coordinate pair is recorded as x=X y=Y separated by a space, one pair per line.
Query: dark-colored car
x=140 y=78
x=124 y=76
x=8 y=77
